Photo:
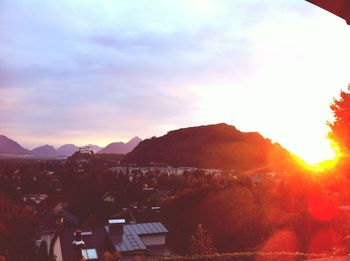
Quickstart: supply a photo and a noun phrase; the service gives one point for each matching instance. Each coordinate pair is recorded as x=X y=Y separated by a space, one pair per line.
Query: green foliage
x=340 y=127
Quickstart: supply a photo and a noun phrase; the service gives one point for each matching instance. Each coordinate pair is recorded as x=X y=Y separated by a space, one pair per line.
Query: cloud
x=84 y=69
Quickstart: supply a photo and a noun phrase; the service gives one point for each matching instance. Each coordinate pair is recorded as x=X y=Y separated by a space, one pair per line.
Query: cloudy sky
x=100 y=71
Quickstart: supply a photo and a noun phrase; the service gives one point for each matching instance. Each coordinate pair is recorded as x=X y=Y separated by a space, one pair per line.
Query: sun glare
x=319 y=158
x=313 y=156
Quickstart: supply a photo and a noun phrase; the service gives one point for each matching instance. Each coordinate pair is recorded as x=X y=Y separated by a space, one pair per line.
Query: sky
x=102 y=71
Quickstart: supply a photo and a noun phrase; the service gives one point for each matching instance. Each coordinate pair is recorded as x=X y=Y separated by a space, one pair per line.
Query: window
x=86 y=233
x=89 y=253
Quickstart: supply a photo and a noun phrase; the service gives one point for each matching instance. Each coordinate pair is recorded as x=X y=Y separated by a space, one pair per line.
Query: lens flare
x=322 y=158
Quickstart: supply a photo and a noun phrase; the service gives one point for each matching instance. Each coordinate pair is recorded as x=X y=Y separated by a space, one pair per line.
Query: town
x=113 y=209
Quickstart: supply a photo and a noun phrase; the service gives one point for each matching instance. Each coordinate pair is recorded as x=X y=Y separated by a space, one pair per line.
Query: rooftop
x=130 y=239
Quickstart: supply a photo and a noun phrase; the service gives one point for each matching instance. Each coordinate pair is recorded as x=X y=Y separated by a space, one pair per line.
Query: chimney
x=78 y=245
x=116 y=226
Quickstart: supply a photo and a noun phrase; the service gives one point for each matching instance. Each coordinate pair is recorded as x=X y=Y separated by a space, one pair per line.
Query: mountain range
x=210 y=146
x=10 y=148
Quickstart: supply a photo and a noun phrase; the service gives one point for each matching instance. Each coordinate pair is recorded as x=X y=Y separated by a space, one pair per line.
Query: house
x=69 y=218
x=130 y=240
x=95 y=242
x=35 y=198
x=86 y=150
x=137 y=239
x=49 y=223
x=124 y=214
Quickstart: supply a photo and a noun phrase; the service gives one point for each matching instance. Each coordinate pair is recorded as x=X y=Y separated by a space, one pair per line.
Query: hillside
x=211 y=146
x=121 y=147
x=44 y=151
x=67 y=149
x=96 y=148
x=8 y=146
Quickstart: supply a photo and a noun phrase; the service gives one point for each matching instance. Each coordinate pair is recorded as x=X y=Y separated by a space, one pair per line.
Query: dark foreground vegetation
x=292 y=210
x=246 y=256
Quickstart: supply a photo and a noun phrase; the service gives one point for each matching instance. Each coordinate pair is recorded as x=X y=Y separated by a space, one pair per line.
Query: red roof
x=340 y=8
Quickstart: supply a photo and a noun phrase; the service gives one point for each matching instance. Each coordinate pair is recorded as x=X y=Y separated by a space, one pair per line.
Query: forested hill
x=211 y=146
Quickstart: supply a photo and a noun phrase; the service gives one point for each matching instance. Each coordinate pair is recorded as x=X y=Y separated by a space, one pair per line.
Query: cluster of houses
x=86 y=150
x=167 y=170
x=27 y=186
x=36 y=198
x=80 y=161
x=135 y=231
x=127 y=240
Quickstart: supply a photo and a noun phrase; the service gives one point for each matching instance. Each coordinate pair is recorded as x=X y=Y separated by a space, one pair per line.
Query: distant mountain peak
x=68 y=145
x=96 y=148
x=8 y=146
x=121 y=147
x=46 y=146
x=67 y=149
x=45 y=150
x=135 y=140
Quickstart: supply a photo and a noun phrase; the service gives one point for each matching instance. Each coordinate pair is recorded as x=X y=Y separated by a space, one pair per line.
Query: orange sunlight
x=320 y=158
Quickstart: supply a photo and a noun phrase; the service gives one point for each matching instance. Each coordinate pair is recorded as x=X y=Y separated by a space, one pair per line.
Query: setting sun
x=319 y=158
x=321 y=153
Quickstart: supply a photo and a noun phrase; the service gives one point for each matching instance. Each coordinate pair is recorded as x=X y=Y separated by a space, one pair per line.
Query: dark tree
x=201 y=242
x=340 y=127
x=43 y=252
x=17 y=231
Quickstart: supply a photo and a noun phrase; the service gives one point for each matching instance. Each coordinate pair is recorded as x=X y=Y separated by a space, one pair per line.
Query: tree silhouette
x=340 y=127
x=201 y=242
x=18 y=230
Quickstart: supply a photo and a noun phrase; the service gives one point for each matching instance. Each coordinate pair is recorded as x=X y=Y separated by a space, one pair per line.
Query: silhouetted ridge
x=211 y=146
x=121 y=147
x=44 y=151
x=8 y=146
x=67 y=149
